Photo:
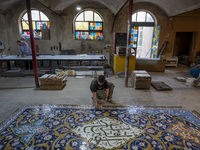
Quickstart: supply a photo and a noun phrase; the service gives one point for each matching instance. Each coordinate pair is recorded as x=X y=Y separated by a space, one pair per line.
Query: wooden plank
x=149 y=64
x=52 y=87
x=180 y=79
x=161 y=86
x=139 y=72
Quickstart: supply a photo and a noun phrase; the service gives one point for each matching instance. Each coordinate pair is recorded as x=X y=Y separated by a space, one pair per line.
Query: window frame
x=140 y=32
x=40 y=20
x=143 y=23
x=137 y=24
x=89 y=30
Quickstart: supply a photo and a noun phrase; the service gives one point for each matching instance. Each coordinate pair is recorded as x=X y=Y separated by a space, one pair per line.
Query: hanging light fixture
x=78 y=7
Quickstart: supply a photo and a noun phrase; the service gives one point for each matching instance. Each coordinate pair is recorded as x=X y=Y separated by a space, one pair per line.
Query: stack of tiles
x=136 y=72
x=141 y=80
x=53 y=81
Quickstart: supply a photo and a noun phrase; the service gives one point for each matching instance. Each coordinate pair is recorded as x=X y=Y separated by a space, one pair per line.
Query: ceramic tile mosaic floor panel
x=84 y=128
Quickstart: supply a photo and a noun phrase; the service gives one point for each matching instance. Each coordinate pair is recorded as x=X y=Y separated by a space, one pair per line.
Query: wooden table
x=50 y=58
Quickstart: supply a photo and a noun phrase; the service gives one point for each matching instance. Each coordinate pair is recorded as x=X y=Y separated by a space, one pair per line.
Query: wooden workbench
x=50 y=58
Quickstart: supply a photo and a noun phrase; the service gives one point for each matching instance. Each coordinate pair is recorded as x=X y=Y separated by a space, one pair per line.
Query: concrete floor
x=19 y=92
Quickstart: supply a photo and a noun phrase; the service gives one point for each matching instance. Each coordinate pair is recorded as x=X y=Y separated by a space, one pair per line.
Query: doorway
x=184 y=46
x=144 y=42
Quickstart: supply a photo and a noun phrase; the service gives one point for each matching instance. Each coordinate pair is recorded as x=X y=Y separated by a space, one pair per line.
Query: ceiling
x=170 y=7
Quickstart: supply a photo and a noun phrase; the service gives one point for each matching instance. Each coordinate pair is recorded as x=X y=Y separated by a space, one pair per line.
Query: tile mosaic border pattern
x=62 y=127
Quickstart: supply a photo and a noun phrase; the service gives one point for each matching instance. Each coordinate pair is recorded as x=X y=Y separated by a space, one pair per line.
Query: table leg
x=50 y=65
x=0 y=66
x=41 y=63
x=8 y=65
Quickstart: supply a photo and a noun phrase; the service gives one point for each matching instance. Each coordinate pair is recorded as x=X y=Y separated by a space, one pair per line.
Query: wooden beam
x=32 y=43
x=128 y=41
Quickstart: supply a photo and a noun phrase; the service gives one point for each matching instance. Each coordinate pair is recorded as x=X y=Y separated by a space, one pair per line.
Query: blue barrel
x=195 y=71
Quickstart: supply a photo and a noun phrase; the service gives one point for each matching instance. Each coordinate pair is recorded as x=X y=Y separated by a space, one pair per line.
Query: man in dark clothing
x=102 y=90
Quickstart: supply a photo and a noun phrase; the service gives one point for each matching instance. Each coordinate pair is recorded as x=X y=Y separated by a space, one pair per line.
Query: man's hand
x=24 y=55
x=95 y=100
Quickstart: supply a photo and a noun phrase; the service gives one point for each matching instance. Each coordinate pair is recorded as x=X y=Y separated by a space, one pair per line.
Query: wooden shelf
x=171 y=61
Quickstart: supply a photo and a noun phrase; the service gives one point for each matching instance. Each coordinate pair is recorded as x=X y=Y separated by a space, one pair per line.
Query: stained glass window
x=35 y=15
x=142 y=33
x=155 y=42
x=139 y=17
x=25 y=17
x=149 y=18
x=134 y=17
x=97 y=17
x=80 y=17
x=142 y=16
x=25 y=26
x=81 y=26
x=134 y=36
x=88 y=25
x=95 y=26
x=44 y=17
x=88 y=15
x=39 y=20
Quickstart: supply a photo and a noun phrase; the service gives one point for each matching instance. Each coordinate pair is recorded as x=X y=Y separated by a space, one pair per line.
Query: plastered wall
x=61 y=27
x=161 y=19
x=61 y=30
x=187 y=22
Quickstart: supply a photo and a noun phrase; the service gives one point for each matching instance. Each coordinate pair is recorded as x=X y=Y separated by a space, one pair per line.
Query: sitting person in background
x=25 y=51
x=102 y=91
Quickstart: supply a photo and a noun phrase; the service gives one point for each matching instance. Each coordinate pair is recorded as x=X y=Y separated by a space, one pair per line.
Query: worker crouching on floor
x=102 y=91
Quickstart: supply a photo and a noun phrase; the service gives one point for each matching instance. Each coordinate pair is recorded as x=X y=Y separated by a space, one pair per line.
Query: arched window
x=143 y=29
x=88 y=25
x=40 y=21
x=142 y=16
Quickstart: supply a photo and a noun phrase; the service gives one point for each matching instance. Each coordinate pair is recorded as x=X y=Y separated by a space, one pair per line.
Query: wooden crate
x=134 y=73
x=142 y=81
x=52 y=87
x=53 y=81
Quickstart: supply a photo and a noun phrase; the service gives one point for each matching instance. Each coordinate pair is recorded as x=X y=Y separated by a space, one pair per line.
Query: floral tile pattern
x=107 y=133
x=114 y=128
